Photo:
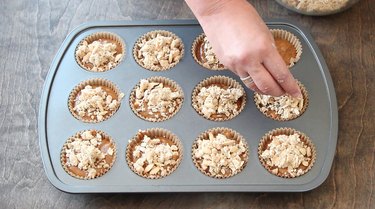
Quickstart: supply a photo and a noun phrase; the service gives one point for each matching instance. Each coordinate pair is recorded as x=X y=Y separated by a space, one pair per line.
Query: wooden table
x=32 y=32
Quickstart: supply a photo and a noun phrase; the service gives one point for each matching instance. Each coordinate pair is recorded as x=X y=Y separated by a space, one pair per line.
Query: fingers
x=281 y=73
x=247 y=80
x=258 y=79
x=264 y=81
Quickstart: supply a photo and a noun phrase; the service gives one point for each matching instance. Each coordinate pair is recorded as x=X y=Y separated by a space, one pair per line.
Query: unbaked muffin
x=88 y=154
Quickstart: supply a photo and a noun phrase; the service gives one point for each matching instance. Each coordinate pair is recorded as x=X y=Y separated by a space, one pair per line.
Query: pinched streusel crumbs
x=83 y=151
x=211 y=60
x=156 y=99
x=317 y=5
x=95 y=103
x=216 y=100
x=154 y=158
x=220 y=156
x=159 y=52
x=285 y=106
x=98 y=56
x=287 y=152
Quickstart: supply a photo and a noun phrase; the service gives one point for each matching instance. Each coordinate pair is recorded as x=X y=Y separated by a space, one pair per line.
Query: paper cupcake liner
x=197 y=43
x=106 y=36
x=274 y=116
x=286 y=35
x=150 y=35
x=167 y=82
x=153 y=133
x=229 y=133
x=93 y=82
x=267 y=138
x=100 y=172
x=218 y=80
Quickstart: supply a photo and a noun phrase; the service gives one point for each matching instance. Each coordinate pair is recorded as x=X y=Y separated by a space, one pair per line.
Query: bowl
x=317 y=7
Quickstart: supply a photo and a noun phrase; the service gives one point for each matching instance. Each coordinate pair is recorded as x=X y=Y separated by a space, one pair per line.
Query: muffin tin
x=56 y=123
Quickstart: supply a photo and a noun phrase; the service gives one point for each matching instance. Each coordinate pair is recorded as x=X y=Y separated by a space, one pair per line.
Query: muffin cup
x=229 y=133
x=111 y=37
x=167 y=82
x=150 y=35
x=166 y=136
x=110 y=88
x=272 y=115
x=286 y=35
x=267 y=138
x=224 y=82
x=198 y=42
x=100 y=172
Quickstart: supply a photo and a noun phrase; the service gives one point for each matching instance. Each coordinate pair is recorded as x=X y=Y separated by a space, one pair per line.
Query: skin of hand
x=244 y=44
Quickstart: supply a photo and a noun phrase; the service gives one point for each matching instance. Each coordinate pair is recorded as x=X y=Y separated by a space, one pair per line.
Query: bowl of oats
x=317 y=7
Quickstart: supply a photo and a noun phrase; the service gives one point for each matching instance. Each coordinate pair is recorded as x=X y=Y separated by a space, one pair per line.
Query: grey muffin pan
x=56 y=124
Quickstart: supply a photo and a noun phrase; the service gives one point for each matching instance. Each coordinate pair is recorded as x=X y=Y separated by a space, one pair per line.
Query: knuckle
x=263 y=47
x=229 y=61
x=243 y=58
x=239 y=59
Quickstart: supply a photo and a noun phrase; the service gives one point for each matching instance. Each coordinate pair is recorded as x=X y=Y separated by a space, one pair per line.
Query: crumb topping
x=284 y=106
x=83 y=152
x=160 y=51
x=155 y=98
x=211 y=60
x=220 y=156
x=153 y=157
x=95 y=103
x=216 y=100
x=317 y=5
x=289 y=152
x=101 y=54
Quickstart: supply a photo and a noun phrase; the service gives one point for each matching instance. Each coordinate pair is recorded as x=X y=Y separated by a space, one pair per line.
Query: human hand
x=244 y=44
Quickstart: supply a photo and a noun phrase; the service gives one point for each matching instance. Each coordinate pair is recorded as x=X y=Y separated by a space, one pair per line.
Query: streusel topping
x=154 y=99
x=85 y=153
x=211 y=60
x=96 y=102
x=284 y=106
x=220 y=156
x=98 y=56
x=317 y=5
x=160 y=51
x=154 y=157
x=215 y=100
x=288 y=152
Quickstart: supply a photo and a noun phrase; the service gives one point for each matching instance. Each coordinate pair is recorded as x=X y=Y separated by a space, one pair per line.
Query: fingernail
x=297 y=95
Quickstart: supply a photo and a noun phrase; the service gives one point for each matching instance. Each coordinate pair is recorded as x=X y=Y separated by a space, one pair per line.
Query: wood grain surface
x=32 y=32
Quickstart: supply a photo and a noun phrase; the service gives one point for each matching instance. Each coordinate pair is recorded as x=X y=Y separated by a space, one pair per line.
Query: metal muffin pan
x=56 y=123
